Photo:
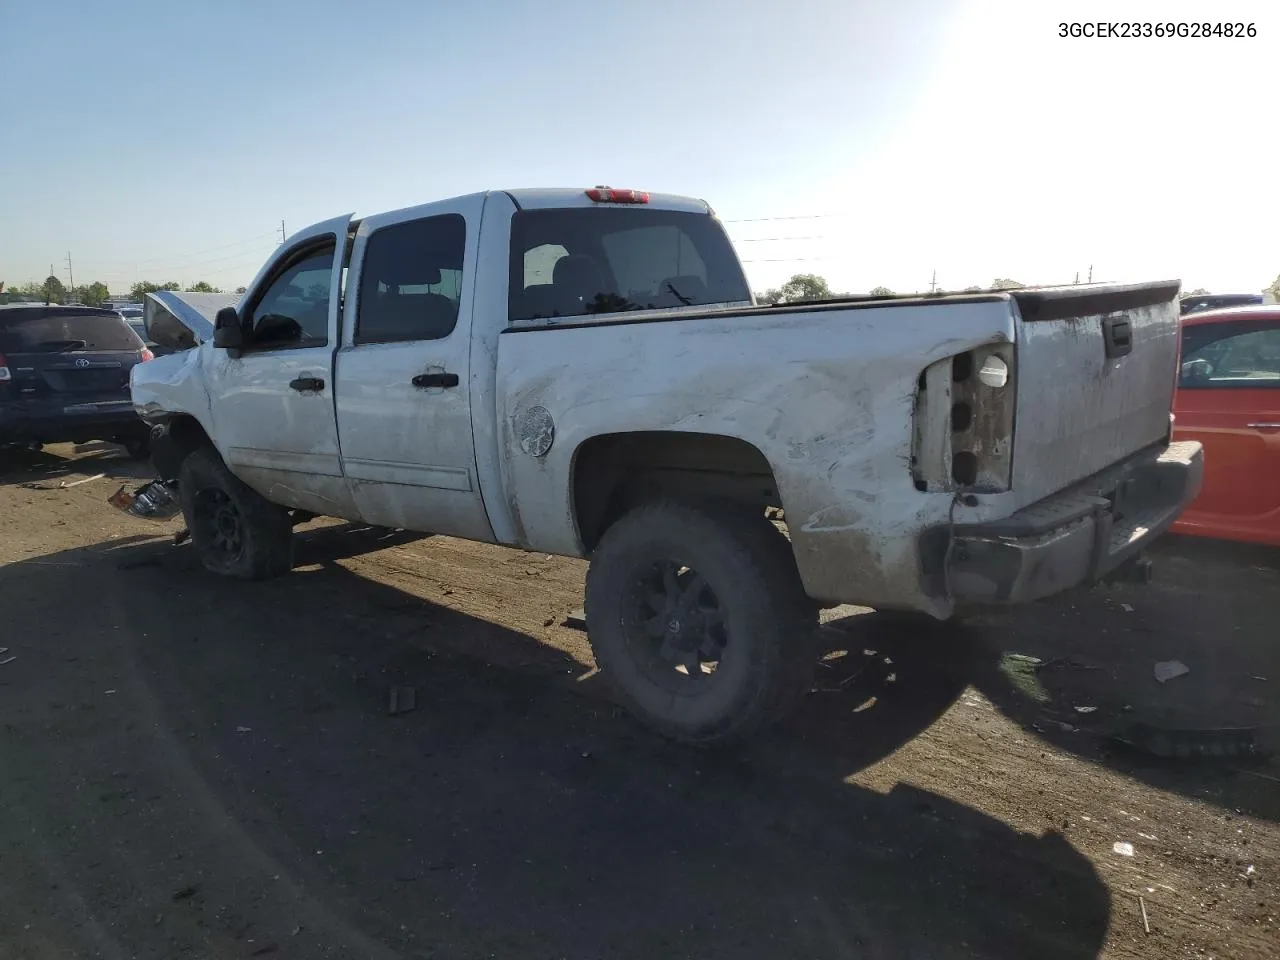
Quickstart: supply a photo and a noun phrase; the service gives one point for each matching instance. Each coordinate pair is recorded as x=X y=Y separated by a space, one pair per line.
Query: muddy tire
x=698 y=620
x=236 y=532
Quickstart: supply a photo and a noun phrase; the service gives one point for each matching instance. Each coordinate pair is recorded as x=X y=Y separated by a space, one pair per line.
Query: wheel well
x=184 y=435
x=614 y=472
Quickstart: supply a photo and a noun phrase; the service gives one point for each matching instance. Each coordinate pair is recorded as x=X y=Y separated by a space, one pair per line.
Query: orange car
x=1228 y=398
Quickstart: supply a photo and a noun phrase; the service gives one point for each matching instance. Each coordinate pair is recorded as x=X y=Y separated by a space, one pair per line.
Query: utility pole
x=70 y=274
x=933 y=283
x=1091 y=273
x=1077 y=279
x=282 y=230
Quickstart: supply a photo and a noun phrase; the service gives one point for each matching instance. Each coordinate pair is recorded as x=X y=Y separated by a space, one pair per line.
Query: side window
x=411 y=282
x=1234 y=355
x=294 y=310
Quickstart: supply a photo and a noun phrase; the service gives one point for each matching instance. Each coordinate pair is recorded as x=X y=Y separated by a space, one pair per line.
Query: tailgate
x=1096 y=368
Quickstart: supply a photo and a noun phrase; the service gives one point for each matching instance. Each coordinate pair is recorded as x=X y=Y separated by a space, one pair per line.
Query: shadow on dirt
x=46 y=469
x=1079 y=672
x=502 y=816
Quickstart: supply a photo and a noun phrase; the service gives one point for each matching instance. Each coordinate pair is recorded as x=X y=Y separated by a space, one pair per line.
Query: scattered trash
x=1204 y=744
x=403 y=699
x=107 y=693
x=1166 y=670
x=1126 y=608
x=7 y=659
x=63 y=485
x=1262 y=679
x=244 y=729
x=1085 y=709
x=1146 y=924
x=157 y=500
x=3 y=650
x=577 y=619
x=1122 y=848
x=1019 y=657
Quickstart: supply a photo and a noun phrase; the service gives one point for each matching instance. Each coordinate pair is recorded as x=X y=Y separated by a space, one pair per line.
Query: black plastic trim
x=1066 y=303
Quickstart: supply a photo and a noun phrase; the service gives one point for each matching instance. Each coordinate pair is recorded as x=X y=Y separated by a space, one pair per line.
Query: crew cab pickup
x=586 y=373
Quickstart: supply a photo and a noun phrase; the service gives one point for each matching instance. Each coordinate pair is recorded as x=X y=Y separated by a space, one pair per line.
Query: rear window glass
x=570 y=262
x=55 y=331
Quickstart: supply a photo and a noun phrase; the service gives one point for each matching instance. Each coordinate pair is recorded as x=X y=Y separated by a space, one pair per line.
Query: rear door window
x=57 y=331
x=570 y=262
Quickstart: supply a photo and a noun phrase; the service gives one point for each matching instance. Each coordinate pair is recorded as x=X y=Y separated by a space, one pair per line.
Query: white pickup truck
x=585 y=373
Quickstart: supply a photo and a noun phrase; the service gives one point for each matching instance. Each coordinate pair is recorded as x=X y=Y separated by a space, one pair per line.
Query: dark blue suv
x=64 y=376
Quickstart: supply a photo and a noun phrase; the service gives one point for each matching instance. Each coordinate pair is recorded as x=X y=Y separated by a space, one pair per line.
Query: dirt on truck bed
x=401 y=750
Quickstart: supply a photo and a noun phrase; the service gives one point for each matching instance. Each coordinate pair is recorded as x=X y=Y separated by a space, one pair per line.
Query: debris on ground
x=1127 y=608
x=1122 y=848
x=1146 y=924
x=7 y=659
x=1166 y=670
x=1204 y=744
x=403 y=699
x=1085 y=709
x=577 y=619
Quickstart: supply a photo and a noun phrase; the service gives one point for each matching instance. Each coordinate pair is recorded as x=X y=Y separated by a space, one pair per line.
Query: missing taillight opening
x=961 y=367
x=964 y=468
x=961 y=417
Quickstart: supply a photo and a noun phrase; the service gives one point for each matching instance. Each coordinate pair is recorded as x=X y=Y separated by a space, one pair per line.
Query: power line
x=771 y=239
x=171 y=259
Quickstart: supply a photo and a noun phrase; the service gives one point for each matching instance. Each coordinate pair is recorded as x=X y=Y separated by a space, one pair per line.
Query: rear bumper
x=1077 y=536
x=61 y=422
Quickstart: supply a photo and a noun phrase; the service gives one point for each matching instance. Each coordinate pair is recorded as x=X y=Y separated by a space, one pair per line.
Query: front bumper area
x=1077 y=536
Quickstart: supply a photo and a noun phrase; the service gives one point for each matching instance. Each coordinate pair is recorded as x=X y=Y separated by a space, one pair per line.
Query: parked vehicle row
x=64 y=376
x=1228 y=399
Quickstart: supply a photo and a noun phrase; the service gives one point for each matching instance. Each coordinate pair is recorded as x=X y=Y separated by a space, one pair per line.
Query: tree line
x=95 y=294
x=810 y=286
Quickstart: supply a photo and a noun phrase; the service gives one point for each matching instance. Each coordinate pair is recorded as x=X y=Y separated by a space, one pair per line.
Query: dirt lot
x=197 y=768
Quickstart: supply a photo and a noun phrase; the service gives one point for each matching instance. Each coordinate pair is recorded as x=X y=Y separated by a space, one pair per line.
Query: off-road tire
x=266 y=531
x=769 y=622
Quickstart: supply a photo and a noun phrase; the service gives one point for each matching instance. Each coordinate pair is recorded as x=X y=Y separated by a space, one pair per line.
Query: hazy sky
x=166 y=141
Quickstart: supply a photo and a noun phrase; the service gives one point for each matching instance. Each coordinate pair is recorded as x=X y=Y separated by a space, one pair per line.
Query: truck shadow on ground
x=1078 y=671
x=502 y=816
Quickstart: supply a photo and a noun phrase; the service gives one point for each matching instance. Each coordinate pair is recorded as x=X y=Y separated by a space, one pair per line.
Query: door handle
x=303 y=384
x=424 y=380
x=1263 y=426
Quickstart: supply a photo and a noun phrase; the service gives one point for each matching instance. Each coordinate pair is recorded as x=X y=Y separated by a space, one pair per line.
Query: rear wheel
x=697 y=617
x=235 y=530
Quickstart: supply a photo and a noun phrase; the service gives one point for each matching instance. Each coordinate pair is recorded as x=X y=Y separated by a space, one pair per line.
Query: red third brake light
x=610 y=195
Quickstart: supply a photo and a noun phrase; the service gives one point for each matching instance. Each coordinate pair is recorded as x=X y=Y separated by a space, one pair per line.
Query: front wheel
x=697 y=617
x=235 y=530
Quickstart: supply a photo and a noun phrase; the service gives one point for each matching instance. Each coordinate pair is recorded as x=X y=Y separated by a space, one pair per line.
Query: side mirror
x=227 y=332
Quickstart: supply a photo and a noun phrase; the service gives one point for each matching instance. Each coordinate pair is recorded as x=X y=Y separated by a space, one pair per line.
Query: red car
x=1228 y=398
